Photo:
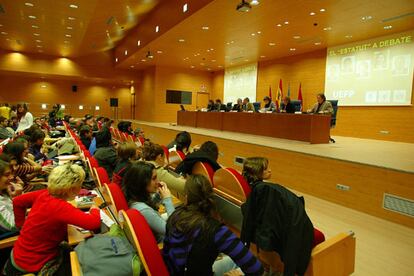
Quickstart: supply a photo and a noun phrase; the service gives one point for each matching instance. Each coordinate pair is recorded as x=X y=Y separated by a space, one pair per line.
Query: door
x=202 y=100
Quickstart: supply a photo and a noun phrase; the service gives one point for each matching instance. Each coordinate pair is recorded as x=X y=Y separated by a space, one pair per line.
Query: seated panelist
x=220 y=106
x=269 y=105
x=238 y=106
x=287 y=106
x=247 y=105
x=322 y=106
x=211 y=106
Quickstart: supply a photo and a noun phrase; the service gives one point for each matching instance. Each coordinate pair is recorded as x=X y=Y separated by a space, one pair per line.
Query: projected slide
x=373 y=72
x=240 y=82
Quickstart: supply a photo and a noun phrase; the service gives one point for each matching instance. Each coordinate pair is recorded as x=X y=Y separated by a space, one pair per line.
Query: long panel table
x=313 y=128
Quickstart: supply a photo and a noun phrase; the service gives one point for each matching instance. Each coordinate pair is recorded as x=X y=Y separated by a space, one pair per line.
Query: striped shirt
x=178 y=250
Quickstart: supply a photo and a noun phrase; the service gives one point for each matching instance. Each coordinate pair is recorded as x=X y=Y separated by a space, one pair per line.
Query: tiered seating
x=204 y=168
x=117 y=197
x=231 y=185
x=175 y=158
x=101 y=176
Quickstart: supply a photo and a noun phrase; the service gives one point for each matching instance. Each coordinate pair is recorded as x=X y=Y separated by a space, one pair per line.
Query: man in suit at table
x=322 y=106
x=247 y=105
x=219 y=106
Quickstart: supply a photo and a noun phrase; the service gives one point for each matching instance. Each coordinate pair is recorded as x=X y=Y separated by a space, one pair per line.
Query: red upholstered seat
x=181 y=154
x=102 y=175
x=242 y=181
x=166 y=152
x=204 y=169
x=318 y=237
x=140 y=234
x=87 y=154
x=94 y=163
x=117 y=197
x=142 y=140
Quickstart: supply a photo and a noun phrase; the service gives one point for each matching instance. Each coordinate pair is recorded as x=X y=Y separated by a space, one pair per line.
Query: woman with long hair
x=194 y=238
x=24 y=116
x=140 y=185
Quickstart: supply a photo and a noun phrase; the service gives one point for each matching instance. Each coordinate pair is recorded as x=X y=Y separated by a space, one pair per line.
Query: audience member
x=154 y=154
x=36 y=143
x=4 y=132
x=105 y=153
x=127 y=152
x=49 y=217
x=181 y=142
x=25 y=118
x=86 y=135
x=194 y=238
x=140 y=181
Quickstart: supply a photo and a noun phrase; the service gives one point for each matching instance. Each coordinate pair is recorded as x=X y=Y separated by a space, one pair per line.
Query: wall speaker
x=74 y=88
x=113 y=102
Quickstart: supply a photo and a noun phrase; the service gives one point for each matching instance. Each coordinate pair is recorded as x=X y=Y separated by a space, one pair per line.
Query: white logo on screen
x=340 y=94
x=384 y=96
x=400 y=96
x=371 y=96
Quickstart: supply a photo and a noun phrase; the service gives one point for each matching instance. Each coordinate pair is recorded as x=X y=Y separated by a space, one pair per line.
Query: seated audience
x=127 y=152
x=220 y=106
x=181 y=142
x=105 y=153
x=25 y=118
x=86 y=135
x=4 y=131
x=211 y=106
x=247 y=105
x=139 y=183
x=6 y=205
x=322 y=106
x=49 y=217
x=139 y=134
x=287 y=106
x=208 y=153
x=275 y=219
x=238 y=106
x=53 y=115
x=90 y=121
x=5 y=111
x=154 y=154
x=194 y=238
x=36 y=142
x=126 y=127
x=13 y=122
x=269 y=105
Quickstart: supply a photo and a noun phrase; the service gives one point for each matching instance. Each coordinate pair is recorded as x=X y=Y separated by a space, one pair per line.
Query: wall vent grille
x=398 y=204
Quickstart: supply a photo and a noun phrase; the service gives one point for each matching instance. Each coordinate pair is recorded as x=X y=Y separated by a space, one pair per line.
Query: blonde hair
x=65 y=180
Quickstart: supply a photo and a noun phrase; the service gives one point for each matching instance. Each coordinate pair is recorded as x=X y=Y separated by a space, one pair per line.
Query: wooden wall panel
x=37 y=91
x=315 y=175
x=309 y=69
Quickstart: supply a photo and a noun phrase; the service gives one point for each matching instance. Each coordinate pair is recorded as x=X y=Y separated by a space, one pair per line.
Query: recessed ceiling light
x=43 y=86
x=157 y=29
x=73 y=6
x=192 y=66
x=202 y=63
x=205 y=28
x=68 y=35
x=246 y=60
x=322 y=10
x=366 y=18
x=36 y=34
x=143 y=60
x=253 y=34
x=292 y=49
x=37 y=40
x=28 y=4
x=138 y=42
x=39 y=46
x=327 y=28
x=126 y=52
x=286 y=22
x=32 y=17
x=348 y=36
x=35 y=27
x=317 y=43
x=387 y=27
x=65 y=41
x=296 y=36
x=159 y=52
x=220 y=66
x=116 y=59
x=181 y=40
x=259 y=32
x=213 y=60
x=262 y=56
x=272 y=44
x=254 y=2
x=185 y=7
x=312 y=14
x=71 y=18
x=132 y=66
x=69 y=27
x=4 y=33
x=279 y=25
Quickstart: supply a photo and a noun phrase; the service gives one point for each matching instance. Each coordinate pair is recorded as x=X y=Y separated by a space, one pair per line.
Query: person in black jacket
x=275 y=219
x=208 y=153
x=287 y=106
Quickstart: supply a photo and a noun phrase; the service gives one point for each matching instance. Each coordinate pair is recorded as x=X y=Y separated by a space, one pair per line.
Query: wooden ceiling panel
x=234 y=38
x=64 y=30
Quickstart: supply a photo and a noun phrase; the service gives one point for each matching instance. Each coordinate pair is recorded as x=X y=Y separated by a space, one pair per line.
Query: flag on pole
x=270 y=92
x=288 y=93
x=300 y=97
x=279 y=95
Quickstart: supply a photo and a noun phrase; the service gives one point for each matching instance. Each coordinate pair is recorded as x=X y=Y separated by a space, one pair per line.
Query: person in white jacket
x=26 y=118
